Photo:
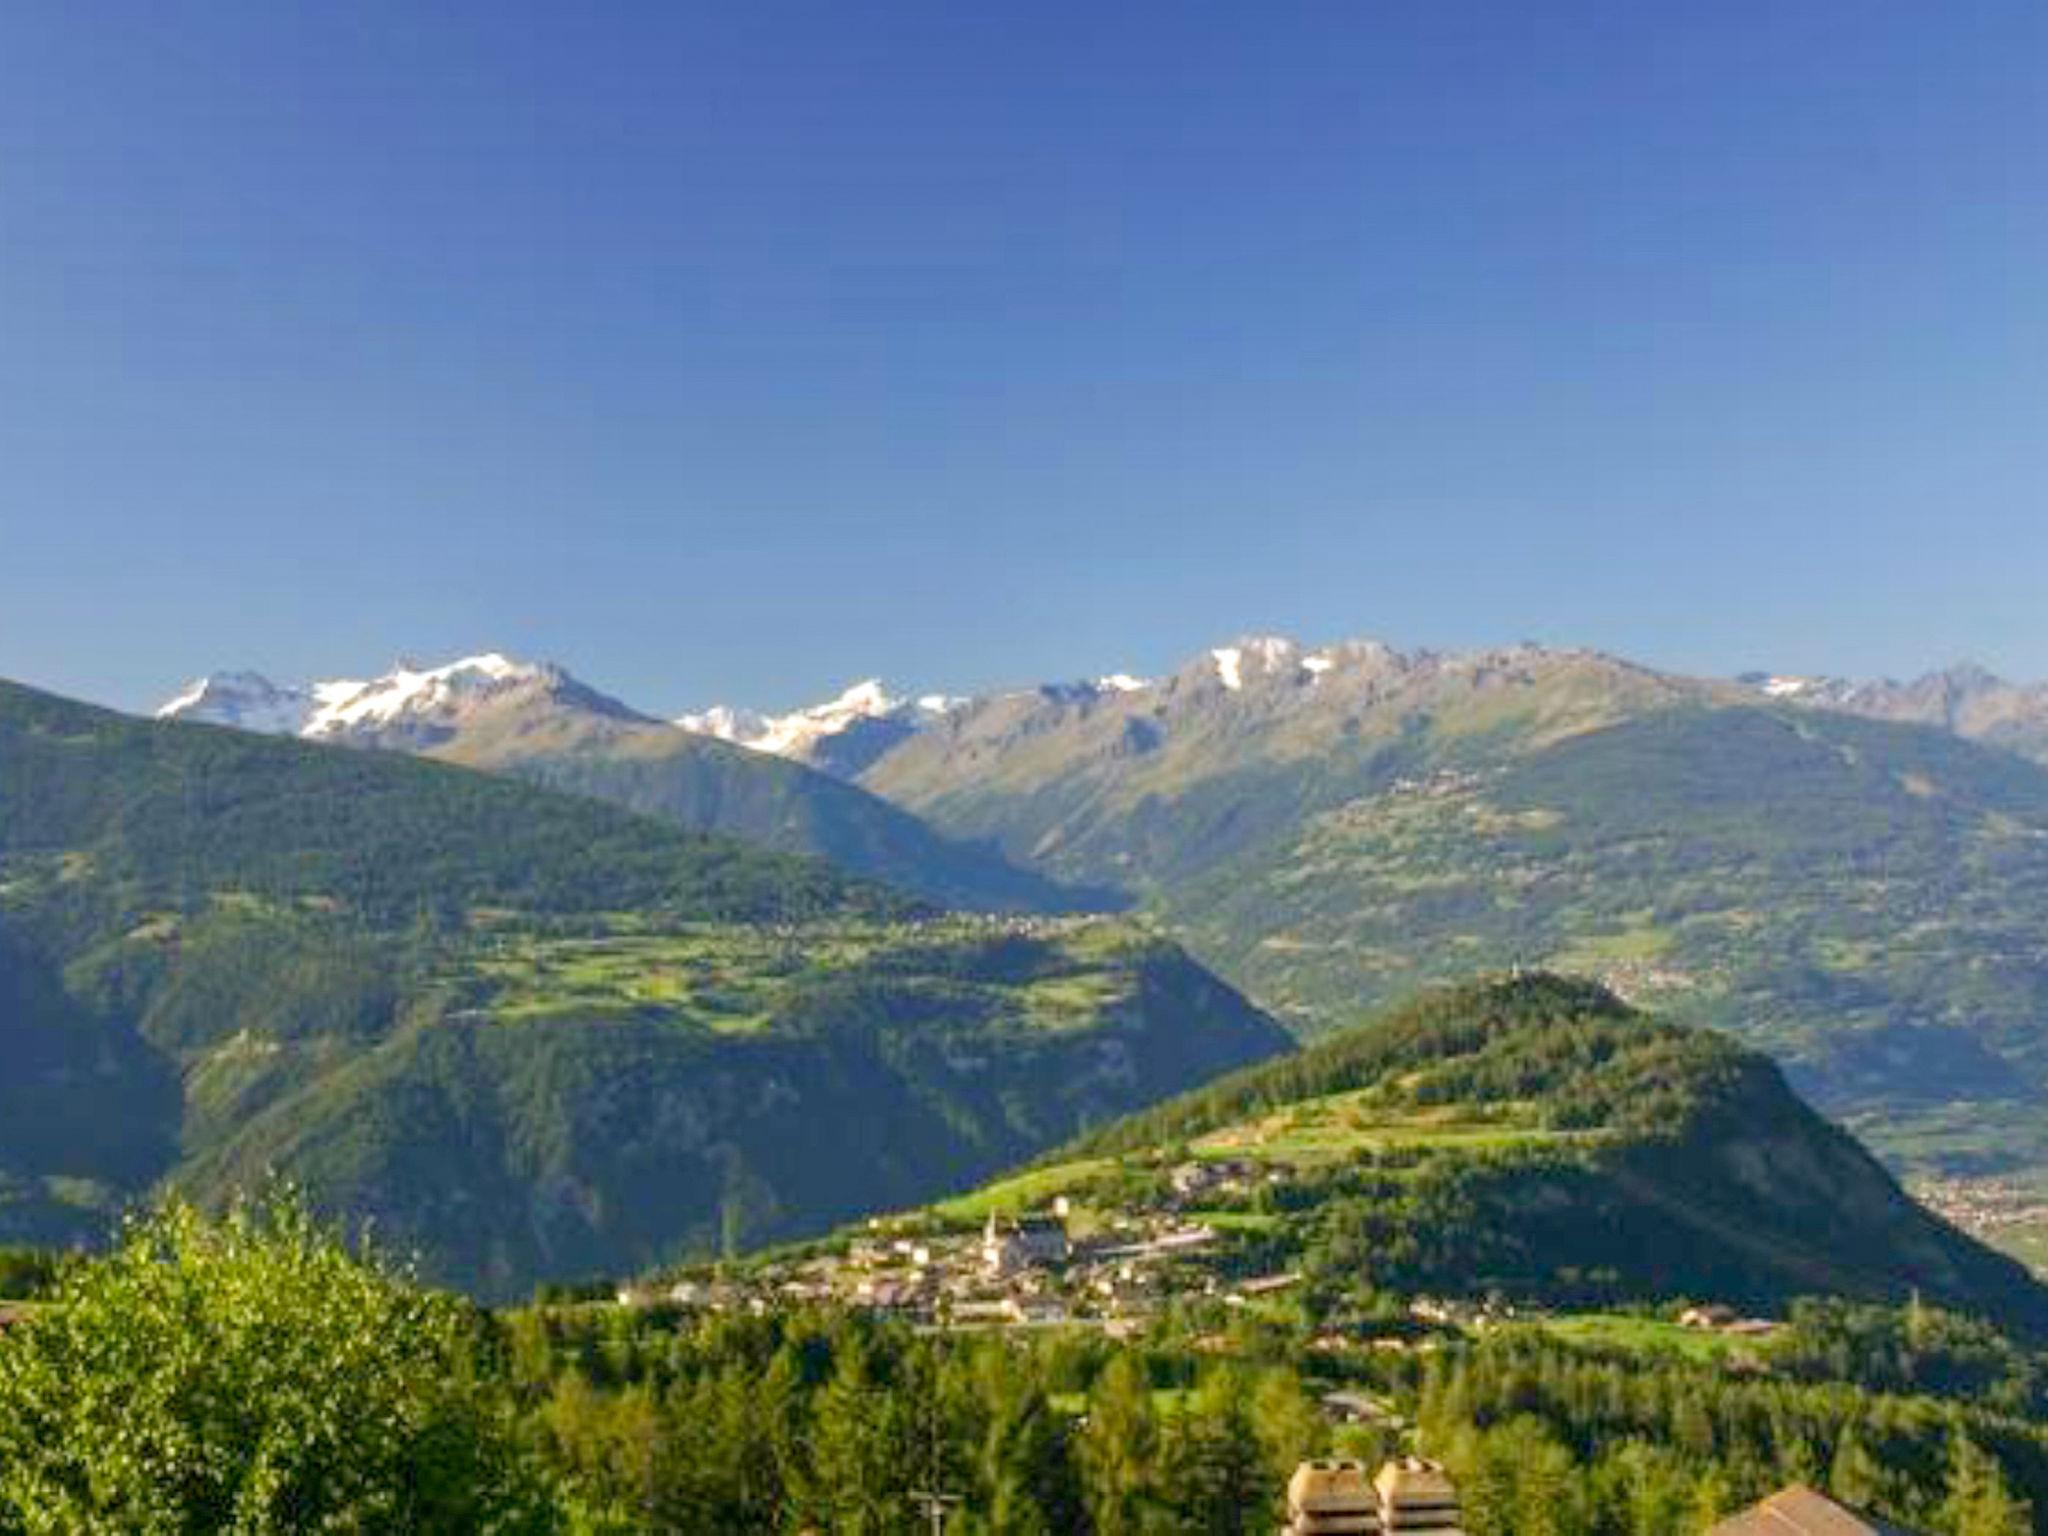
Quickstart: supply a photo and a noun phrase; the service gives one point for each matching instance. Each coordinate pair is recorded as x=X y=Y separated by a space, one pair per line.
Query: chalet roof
x=1802 y=1511
x=1410 y=1479
x=1330 y=1487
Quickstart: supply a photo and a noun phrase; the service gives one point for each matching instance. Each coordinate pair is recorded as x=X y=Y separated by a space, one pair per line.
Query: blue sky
x=733 y=352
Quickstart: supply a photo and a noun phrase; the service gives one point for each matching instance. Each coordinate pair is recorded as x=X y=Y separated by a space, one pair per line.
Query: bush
x=250 y=1375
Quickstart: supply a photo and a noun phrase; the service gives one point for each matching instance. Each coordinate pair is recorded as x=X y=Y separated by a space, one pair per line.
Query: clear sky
x=737 y=351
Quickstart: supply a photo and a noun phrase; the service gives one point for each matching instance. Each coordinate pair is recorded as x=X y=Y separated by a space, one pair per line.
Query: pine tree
x=859 y=1481
x=1978 y=1503
x=1854 y=1475
x=1118 y=1447
x=1285 y=1420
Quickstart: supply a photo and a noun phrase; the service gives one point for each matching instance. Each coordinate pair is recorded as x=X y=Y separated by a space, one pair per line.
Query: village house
x=1012 y=1244
x=1417 y=1495
x=1358 y=1408
x=1331 y=1498
x=1201 y=1177
x=1334 y=1498
x=1802 y=1511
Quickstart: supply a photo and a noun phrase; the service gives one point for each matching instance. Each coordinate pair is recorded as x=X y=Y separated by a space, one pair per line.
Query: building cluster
x=1982 y=1206
x=1337 y=1498
x=1015 y=1271
x=1466 y=1315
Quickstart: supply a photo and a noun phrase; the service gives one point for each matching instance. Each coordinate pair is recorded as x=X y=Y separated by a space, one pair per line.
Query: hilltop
x=1531 y=1139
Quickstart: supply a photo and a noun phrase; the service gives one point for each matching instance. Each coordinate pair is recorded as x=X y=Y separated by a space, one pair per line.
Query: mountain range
x=1852 y=876
x=421 y=707
x=536 y=721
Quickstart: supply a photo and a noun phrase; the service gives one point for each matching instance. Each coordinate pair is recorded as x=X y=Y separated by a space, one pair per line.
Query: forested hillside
x=1536 y=1137
x=532 y=1034
x=701 y=783
x=255 y=1373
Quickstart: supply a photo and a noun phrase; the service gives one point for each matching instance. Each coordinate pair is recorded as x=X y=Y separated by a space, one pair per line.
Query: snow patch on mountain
x=410 y=704
x=803 y=733
x=1791 y=687
x=248 y=701
x=1262 y=655
x=411 y=692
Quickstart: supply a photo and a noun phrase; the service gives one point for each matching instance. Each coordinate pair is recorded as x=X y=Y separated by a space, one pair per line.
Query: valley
x=529 y=1035
x=1849 y=876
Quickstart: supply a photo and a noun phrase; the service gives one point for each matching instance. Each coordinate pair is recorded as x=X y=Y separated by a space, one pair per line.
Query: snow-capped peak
x=408 y=690
x=410 y=701
x=724 y=722
x=1121 y=682
x=799 y=733
x=863 y=698
x=1789 y=687
x=247 y=700
x=1266 y=652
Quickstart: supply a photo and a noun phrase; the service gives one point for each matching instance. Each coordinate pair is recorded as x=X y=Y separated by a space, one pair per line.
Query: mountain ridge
x=848 y=733
x=535 y=720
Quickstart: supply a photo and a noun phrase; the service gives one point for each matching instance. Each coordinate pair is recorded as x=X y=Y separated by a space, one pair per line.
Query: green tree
x=1118 y=1447
x=1212 y=1475
x=1285 y=1420
x=1978 y=1502
x=861 y=1477
x=1854 y=1476
x=249 y=1376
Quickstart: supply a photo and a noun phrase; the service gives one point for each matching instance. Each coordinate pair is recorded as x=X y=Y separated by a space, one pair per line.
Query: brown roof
x=1801 y=1511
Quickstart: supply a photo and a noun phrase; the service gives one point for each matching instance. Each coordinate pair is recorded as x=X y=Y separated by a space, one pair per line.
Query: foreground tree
x=249 y=1375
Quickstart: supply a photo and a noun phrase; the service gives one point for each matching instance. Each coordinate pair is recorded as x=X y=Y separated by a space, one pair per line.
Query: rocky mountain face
x=1967 y=700
x=851 y=734
x=1153 y=785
